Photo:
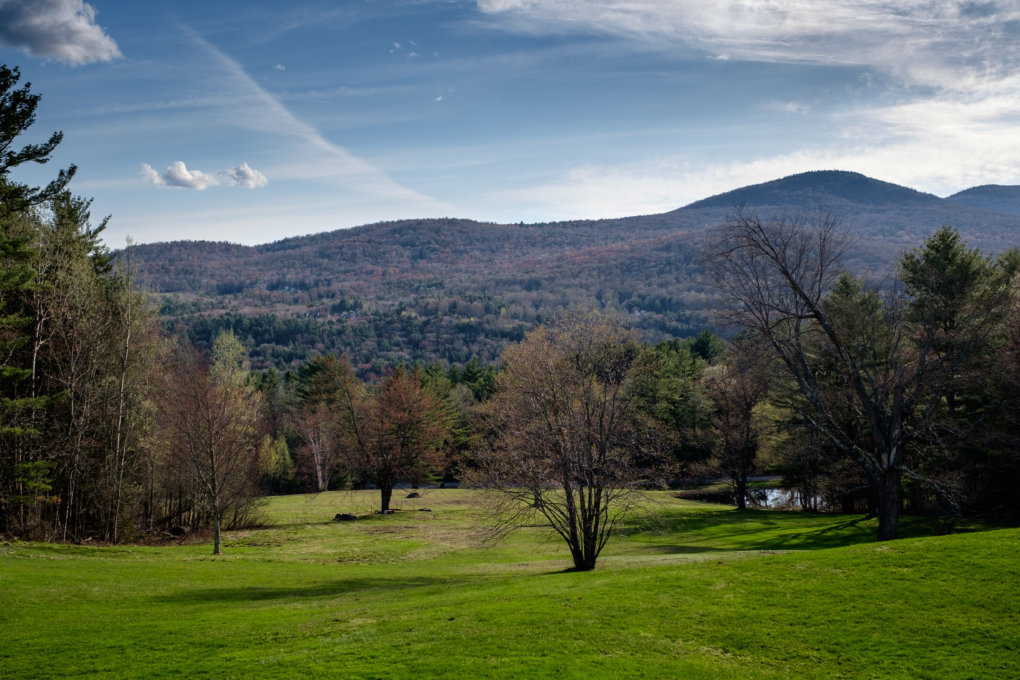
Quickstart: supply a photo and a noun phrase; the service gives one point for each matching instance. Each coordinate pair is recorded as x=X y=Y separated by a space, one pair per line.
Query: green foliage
x=944 y=279
x=17 y=281
x=70 y=400
x=17 y=114
x=670 y=393
x=275 y=464
x=1008 y=263
x=707 y=345
x=229 y=360
x=33 y=478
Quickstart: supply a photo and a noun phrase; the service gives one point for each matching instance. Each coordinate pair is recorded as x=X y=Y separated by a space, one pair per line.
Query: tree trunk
x=385 y=493
x=740 y=491
x=216 y=533
x=583 y=560
x=890 y=493
x=120 y=444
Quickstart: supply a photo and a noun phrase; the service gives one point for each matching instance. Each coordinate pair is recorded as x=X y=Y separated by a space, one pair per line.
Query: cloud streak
x=959 y=34
x=65 y=30
x=315 y=157
x=957 y=48
x=944 y=78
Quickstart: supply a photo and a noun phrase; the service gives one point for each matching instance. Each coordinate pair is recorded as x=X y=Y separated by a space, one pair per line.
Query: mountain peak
x=820 y=187
x=997 y=197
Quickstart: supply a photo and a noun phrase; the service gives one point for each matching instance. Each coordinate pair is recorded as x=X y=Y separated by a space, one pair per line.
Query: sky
x=258 y=120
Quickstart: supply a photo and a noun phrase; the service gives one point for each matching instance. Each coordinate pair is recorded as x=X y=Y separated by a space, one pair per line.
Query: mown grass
x=684 y=590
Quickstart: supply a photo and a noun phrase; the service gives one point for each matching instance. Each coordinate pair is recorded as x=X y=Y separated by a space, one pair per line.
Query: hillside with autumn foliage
x=452 y=289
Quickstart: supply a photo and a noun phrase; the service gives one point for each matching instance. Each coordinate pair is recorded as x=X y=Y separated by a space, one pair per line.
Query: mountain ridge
x=817 y=184
x=450 y=289
x=995 y=197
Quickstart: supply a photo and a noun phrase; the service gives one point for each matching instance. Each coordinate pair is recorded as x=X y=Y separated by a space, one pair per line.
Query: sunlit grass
x=684 y=590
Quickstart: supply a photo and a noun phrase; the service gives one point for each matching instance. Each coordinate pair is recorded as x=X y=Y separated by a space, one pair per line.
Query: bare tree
x=211 y=418
x=316 y=425
x=393 y=433
x=567 y=430
x=868 y=378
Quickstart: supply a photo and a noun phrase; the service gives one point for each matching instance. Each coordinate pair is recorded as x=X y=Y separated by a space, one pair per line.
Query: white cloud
x=956 y=45
x=964 y=158
x=178 y=176
x=246 y=176
x=61 y=29
x=947 y=117
x=504 y=5
x=280 y=67
x=846 y=31
x=798 y=108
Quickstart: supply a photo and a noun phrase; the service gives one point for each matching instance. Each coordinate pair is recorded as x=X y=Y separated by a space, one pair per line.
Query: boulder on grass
x=344 y=517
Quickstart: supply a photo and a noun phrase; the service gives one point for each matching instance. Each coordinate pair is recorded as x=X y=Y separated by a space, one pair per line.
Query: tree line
x=885 y=397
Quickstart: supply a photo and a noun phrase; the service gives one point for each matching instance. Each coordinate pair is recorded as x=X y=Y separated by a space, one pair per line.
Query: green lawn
x=685 y=590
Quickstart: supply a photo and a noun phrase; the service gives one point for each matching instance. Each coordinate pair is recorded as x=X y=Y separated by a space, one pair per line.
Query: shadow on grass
x=730 y=530
x=674 y=549
x=319 y=590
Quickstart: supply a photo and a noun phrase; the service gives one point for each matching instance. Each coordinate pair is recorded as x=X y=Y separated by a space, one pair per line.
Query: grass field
x=685 y=590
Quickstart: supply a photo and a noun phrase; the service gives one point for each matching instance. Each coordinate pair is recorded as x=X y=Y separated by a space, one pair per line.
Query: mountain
x=449 y=289
x=835 y=187
x=886 y=218
x=997 y=197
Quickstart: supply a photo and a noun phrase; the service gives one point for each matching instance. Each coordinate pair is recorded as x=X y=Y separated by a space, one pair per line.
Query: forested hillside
x=449 y=289
x=991 y=197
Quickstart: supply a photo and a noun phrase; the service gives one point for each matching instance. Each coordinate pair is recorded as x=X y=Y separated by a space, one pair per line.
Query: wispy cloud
x=957 y=33
x=957 y=47
x=662 y=184
x=943 y=77
x=798 y=108
x=179 y=177
x=314 y=156
x=65 y=30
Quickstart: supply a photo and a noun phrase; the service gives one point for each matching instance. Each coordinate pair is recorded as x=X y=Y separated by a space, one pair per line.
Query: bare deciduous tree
x=393 y=433
x=316 y=425
x=211 y=416
x=567 y=432
x=868 y=377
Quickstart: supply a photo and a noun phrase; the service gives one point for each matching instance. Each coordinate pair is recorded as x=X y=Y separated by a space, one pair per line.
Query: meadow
x=684 y=589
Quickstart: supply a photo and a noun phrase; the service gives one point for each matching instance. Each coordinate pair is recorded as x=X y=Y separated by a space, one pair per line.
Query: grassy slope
x=687 y=590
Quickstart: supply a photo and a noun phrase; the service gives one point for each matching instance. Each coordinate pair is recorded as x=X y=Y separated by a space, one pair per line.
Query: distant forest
x=422 y=291
x=450 y=290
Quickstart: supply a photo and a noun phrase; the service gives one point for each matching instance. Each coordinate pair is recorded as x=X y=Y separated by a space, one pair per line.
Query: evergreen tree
x=17 y=280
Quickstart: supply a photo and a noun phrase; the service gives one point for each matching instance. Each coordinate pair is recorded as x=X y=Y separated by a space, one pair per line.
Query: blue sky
x=253 y=121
